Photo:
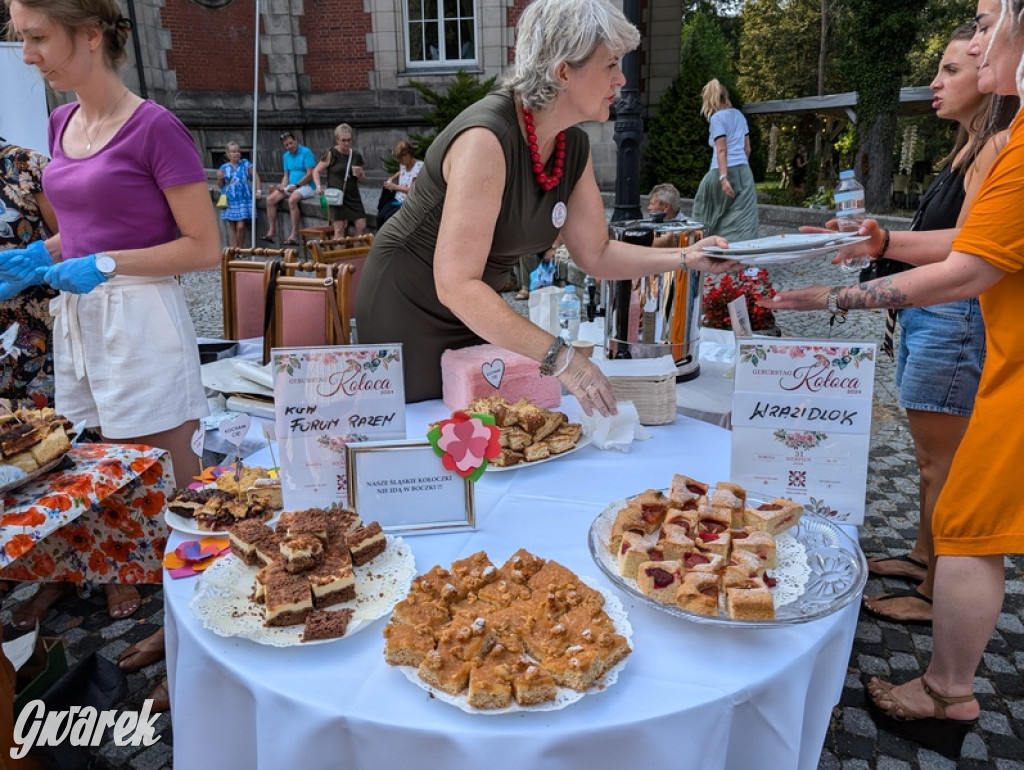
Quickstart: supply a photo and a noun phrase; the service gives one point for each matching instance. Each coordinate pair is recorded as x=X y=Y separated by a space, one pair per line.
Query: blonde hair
x=404 y=147
x=554 y=31
x=342 y=129
x=713 y=97
x=74 y=15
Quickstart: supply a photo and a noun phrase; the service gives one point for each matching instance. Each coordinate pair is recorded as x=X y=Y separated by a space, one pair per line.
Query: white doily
x=222 y=598
x=612 y=606
x=791 y=573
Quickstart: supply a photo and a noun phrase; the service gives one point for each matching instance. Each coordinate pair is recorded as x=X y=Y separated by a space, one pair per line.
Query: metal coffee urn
x=658 y=314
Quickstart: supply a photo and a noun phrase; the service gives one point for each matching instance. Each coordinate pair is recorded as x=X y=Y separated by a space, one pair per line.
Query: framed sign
x=403 y=486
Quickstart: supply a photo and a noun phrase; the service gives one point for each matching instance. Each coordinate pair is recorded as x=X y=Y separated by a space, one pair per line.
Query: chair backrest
x=348 y=242
x=355 y=256
x=310 y=311
x=243 y=274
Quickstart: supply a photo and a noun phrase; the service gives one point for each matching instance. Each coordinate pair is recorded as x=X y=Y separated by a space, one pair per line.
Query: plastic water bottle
x=569 y=314
x=850 y=212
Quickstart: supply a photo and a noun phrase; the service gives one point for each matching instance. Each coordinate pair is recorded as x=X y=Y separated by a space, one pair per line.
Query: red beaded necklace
x=545 y=181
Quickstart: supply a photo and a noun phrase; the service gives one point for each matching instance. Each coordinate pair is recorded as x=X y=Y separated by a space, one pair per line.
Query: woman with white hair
x=504 y=179
x=726 y=201
x=978 y=517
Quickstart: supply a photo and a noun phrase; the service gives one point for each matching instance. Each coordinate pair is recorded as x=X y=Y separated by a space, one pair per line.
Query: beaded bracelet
x=885 y=245
x=547 y=366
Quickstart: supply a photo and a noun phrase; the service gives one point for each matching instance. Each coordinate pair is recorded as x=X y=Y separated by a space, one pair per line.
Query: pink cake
x=473 y=372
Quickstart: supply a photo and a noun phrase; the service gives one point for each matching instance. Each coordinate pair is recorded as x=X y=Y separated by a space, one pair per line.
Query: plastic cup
x=584 y=347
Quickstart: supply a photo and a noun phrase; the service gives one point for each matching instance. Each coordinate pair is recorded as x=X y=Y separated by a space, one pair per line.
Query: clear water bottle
x=850 y=212
x=569 y=314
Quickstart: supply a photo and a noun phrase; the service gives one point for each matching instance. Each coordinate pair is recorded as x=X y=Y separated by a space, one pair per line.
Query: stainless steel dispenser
x=658 y=314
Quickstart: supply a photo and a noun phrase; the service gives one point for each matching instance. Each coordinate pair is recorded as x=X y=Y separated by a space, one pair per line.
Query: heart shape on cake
x=493 y=372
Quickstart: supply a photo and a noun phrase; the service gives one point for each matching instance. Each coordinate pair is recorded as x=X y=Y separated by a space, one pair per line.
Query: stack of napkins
x=617 y=431
x=650 y=383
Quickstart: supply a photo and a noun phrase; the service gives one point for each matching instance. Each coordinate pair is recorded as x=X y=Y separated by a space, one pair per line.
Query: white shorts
x=306 y=190
x=126 y=358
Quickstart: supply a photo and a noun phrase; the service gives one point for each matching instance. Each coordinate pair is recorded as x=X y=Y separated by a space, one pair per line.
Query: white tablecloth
x=691 y=695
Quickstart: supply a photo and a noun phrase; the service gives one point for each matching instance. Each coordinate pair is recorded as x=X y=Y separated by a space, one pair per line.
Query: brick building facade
x=323 y=62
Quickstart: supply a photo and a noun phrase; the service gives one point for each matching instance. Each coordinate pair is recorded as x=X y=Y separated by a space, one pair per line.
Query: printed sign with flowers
x=465 y=443
x=324 y=399
x=802 y=422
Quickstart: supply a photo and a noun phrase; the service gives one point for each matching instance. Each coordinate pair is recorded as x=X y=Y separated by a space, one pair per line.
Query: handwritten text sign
x=404 y=486
x=325 y=399
x=802 y=422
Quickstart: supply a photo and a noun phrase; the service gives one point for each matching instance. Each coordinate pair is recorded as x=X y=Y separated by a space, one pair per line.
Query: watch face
x=106 y=265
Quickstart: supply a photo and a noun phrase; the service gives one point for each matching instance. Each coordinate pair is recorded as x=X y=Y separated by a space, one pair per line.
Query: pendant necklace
x=88 y=139
x=546 y=182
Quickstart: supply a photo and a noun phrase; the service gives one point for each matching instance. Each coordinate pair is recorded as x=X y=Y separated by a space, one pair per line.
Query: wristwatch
x=107 y=265
x=832 y=303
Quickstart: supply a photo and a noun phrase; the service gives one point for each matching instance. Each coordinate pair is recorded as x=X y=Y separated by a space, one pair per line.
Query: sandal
x=34 y=610
x=142 y=654
x=522 y=294
x=122 y=600
x=902 y=593
x=906 y=559
x=161 y=697
x=938 y=733
x=290 y=242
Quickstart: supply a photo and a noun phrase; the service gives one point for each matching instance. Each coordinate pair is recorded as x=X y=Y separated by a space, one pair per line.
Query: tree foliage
x=677 y=148
x=464 y=90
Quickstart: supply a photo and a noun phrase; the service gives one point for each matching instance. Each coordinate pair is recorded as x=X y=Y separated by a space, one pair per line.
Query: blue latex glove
x=78 y=276
x=9 y=291
x=19 y=266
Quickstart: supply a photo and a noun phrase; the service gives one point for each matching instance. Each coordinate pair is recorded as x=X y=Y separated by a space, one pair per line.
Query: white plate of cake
x=711 y=554
x=530 y=635
x=32 y=443
x=319 y=576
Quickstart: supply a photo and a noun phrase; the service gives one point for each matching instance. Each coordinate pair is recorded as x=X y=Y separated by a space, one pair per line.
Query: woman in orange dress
x=979 y=516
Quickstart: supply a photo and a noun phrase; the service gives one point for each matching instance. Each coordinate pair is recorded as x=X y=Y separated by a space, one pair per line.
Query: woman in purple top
x=130 y=194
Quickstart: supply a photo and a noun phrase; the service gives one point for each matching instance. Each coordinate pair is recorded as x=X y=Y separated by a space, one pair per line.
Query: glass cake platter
x=222 y=599
x=821 y=570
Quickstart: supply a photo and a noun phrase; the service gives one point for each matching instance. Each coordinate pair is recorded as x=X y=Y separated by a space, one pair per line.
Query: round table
x=692 y=695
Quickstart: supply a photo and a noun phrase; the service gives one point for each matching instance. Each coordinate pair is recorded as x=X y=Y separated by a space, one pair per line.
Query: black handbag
x=385 y=206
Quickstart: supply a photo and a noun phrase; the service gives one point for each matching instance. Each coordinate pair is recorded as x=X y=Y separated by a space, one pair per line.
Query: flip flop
x=905 y=559
x=122 y=600
x=142 y=654
x=268 y=239
x=290 y=242
x=901 y=593
x=522 y=294
x=35 y=609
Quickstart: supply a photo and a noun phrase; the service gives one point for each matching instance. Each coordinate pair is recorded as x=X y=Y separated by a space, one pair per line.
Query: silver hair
x=554 y=31
x=667 y=194
x=342 y=129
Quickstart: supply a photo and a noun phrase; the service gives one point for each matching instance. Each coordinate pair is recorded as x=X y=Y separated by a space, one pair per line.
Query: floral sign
x=324 y=400
x=465 y=443
x=802 y=421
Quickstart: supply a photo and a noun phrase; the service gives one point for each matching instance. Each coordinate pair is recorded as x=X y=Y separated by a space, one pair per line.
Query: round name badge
x=558 y=214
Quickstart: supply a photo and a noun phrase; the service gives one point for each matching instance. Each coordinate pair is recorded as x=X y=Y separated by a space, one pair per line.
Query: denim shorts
x=942 y=350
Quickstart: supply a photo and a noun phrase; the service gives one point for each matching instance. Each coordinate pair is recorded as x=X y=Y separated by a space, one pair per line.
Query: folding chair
x=308 y=311
x=243 y=274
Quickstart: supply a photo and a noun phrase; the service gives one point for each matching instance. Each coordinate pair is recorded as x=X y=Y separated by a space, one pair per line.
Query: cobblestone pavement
x=886 y=649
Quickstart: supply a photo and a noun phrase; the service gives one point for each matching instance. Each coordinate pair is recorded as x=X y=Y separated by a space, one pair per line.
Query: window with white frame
x=440 y=32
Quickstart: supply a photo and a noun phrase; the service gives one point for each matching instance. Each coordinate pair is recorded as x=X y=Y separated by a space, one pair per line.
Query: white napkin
x=615 y=432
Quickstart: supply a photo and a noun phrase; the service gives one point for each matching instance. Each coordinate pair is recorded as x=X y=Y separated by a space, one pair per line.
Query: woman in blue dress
x=235 y=179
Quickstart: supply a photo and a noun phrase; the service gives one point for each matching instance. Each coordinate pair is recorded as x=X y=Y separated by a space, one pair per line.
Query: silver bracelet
x=682 y=260
x=832 y=303
x=547 y=366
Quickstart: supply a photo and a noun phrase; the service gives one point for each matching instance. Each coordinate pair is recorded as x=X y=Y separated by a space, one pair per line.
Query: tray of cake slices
x=529 y=434
x=718 y=555
x=32 y=442
x=236 y=494
x=528 y=635
x=319 y=576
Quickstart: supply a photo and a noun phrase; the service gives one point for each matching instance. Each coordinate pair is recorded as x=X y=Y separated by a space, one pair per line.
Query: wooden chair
x=309 y=311
x=315 y=233
x=355 y=256
x=900 y=189
x=243 y=280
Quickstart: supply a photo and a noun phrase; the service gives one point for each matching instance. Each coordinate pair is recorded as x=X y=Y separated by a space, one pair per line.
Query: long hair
x=713 y=97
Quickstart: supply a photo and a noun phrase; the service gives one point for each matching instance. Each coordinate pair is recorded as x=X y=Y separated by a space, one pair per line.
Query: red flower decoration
x=465 y=443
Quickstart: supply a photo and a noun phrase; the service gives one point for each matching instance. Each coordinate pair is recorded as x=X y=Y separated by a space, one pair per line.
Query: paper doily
x=222 y=594
x=566 y=696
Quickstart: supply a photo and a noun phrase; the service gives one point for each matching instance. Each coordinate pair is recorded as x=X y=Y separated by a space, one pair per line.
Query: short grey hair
x=554 y=31
x=667 y=194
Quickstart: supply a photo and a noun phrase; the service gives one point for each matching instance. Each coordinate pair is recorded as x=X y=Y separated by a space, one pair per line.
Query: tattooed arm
x=959 y=276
